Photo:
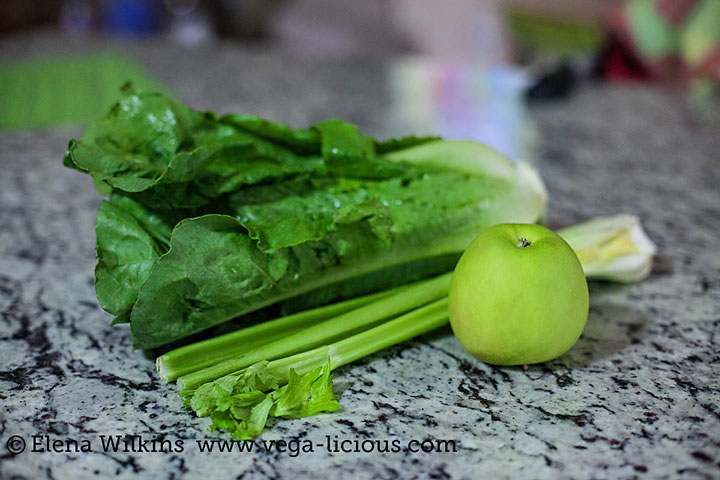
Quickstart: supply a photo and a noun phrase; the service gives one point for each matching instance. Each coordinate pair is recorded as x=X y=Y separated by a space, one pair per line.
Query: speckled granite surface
x=638 y=396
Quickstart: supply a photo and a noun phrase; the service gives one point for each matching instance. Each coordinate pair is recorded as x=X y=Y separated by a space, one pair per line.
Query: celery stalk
x=199 y=355
x=612 y=248
x=324 y=332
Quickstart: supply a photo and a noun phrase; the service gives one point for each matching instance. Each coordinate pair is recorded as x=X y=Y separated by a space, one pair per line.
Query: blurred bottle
x=131 y=17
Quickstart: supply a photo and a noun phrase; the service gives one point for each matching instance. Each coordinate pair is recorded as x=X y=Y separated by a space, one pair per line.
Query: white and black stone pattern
x=638 y=396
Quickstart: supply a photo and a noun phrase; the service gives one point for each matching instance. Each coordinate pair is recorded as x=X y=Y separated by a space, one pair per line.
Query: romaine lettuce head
x=209 y=218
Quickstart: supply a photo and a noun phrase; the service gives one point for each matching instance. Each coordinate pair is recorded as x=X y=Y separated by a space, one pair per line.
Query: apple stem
x=522 y=243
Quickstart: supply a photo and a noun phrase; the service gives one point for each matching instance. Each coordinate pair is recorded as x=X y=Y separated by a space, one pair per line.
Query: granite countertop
x=638 y=396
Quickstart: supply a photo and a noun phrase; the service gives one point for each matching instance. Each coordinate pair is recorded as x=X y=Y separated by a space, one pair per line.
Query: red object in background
x=711 y=65
x=618 y=62
x=675 y=11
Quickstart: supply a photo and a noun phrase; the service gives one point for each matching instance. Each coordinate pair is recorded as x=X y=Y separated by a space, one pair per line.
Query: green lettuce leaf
x=129 y=242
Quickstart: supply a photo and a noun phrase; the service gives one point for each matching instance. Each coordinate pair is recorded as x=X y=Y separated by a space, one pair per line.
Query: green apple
x=518 y=296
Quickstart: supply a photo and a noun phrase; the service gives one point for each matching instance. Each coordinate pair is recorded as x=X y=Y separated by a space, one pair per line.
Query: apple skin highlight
x=515 y=303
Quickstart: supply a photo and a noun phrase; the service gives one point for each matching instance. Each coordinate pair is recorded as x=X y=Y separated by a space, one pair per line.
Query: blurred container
x=463 y=101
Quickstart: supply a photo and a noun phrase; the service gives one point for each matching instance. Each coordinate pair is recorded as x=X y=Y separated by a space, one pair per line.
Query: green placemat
x=551 y=35
x=47 y=92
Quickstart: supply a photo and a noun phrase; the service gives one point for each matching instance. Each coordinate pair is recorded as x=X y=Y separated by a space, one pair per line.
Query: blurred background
x=459 y=68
